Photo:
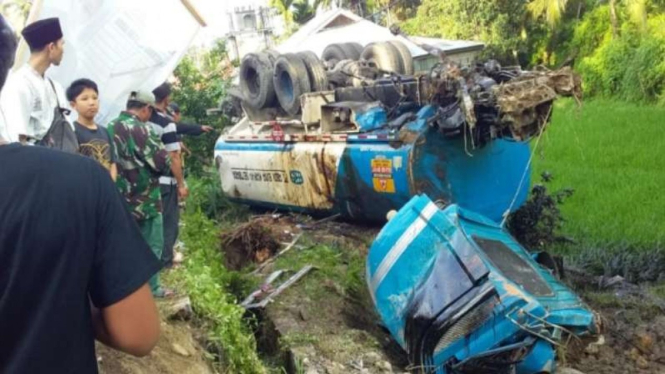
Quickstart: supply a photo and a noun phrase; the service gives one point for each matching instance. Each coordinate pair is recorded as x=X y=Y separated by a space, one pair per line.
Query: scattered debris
x=180 y=308
x=177 y=348
x=264 y=290
x=271 y=295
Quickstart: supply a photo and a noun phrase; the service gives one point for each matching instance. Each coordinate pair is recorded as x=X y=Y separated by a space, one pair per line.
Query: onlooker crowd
x=82 y=239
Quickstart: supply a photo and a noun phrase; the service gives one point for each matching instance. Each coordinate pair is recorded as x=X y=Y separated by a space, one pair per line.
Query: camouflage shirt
x=141 y=160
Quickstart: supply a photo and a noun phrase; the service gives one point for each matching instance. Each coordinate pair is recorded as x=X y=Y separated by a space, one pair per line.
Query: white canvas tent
x=122 y=45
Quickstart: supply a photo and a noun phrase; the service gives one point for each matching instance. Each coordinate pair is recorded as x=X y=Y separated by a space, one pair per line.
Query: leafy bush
x=206 y=196
x=634 y=263
x=536 y=224
x=644 y=78
x=503 y=25
x=201 y=83
x=629 y=66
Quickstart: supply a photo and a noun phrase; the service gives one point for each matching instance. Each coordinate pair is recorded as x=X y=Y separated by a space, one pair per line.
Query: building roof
x=340 y=25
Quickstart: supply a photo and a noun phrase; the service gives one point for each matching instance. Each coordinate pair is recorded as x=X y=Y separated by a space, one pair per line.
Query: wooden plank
x=195 y=13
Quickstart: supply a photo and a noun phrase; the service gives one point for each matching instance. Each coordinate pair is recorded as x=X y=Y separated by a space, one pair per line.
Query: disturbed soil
x=256 y=241
x=633 y=336
x=327 y=326
x=177 y=352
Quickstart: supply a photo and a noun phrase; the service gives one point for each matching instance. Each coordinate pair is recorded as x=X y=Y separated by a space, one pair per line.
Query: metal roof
x=340 y=25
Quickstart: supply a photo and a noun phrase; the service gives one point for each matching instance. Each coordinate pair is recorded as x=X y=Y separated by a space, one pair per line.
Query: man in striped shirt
x=172 y=185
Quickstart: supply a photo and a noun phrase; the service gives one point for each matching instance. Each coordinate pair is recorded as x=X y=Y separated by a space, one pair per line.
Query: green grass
x=207 y=283
x=613 y=155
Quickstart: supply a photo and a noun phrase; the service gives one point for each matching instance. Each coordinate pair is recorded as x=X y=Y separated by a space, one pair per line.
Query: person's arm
x=172 y=145
x=136 y=335
x=192 y=130
x=114 y=172
x=114 y=157
x=176 y=169
x=124 y=314
x=15 y=103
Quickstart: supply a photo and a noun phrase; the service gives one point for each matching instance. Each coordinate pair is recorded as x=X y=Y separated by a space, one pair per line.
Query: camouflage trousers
x=152 y=230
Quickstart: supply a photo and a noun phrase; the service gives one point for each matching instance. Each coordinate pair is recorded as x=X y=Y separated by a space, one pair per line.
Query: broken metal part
x=264 y=289
x=288 y=283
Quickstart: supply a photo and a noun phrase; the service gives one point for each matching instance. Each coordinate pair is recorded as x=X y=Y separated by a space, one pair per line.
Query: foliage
x=15 y=12
x=200 y=85
x=504 y=26
x=206 y=196
x=610 y=152
x=206 y=281
x=634 y=263
x=537 y=223
x=552 y=10
x=303 y=11
x=631 y=66
x=599 y=38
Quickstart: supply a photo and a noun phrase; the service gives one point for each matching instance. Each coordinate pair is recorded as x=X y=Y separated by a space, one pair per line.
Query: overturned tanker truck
x=362 y=135
x=359 y=133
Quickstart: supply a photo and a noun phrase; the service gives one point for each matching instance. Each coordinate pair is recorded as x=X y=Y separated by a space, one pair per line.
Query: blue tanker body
x=365 y=175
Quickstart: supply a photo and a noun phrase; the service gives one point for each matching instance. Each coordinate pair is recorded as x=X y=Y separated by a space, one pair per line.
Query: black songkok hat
x=42 y=32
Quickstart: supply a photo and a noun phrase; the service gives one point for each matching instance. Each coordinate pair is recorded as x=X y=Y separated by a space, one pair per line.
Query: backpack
x=60 y=135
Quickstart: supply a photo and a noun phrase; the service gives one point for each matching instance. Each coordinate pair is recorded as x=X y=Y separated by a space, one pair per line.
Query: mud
x=633 y=336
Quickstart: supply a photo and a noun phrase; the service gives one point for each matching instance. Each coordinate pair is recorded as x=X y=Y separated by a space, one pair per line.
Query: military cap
x=141 y=96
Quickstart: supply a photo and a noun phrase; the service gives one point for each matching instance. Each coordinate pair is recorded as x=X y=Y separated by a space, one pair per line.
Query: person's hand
x=207 y=128
x=183 y=192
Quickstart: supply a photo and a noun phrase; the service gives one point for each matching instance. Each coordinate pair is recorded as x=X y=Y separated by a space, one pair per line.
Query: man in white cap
x=29 y=99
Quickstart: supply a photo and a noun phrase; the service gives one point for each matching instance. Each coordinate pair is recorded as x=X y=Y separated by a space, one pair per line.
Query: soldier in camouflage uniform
x=141 y=160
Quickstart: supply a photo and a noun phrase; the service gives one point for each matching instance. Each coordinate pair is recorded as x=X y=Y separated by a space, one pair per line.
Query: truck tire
x=357 y=48
x=385 y=55
x=256 y=81
x=338 y=52
x=405 y=55
x=290 y=80
x=273 y=55
x=318 y=80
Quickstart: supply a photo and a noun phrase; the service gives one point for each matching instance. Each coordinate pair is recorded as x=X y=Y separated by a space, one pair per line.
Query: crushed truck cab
x=365 y=175
x=460 y=295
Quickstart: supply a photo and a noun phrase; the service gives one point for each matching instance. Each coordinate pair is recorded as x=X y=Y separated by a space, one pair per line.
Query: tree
x=303 y=11
x=510 y=34
x=202 y=79
x=637 y=11
x=16 y=12
x=552 y=10
x=284 y=8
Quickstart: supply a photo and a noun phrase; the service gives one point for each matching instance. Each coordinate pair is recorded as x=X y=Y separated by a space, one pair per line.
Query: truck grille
x=467 y=323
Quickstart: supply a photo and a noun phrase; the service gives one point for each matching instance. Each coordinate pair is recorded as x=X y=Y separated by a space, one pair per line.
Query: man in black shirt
x=74 y=263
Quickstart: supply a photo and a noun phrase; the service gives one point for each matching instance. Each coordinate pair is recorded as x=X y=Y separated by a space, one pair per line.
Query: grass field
x=613 y=155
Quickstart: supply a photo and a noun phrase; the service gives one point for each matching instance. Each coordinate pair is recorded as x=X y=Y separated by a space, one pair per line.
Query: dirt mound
x=177 y=352
x=633 y=337
x=256 y=241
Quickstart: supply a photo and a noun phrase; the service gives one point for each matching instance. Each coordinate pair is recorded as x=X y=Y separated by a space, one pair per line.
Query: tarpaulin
x=122 y=45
